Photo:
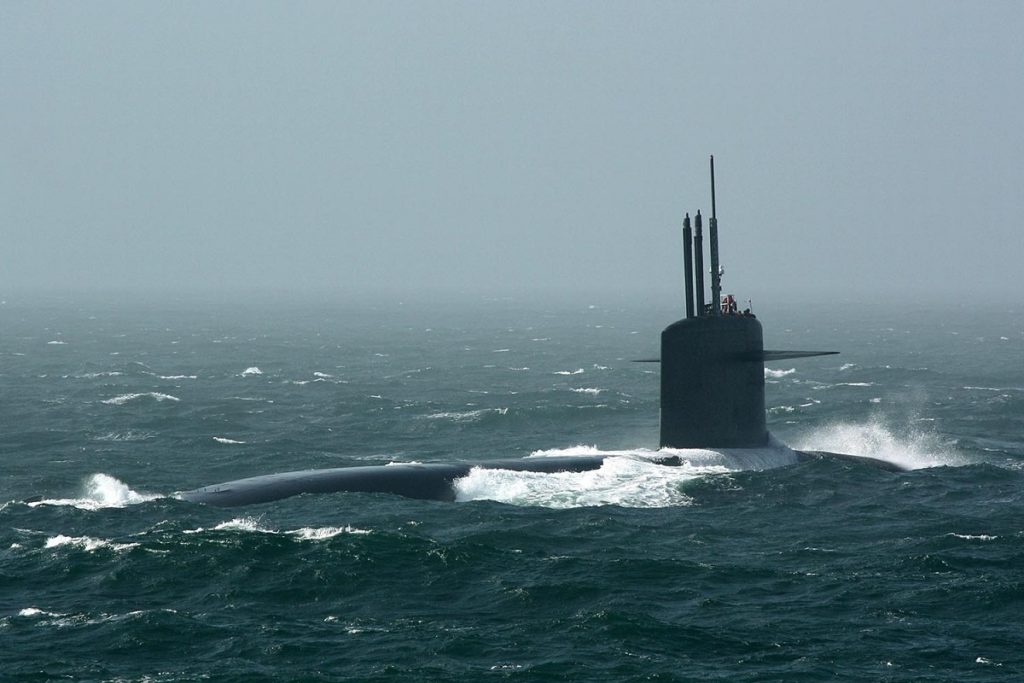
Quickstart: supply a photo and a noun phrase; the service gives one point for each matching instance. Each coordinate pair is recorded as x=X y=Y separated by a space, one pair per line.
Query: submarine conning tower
x=712 y=361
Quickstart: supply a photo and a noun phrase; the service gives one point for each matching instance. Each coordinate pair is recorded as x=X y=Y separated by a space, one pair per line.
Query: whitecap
x=125 y=436
x=465 y=416
x=223 y=439
x=87 y=543
x=254 y=525
x=242 y=524
x=56 y=342
x=974 y=537
x=124 y=398
x=323 y=375
x=777 y=374
x=323 y=533
x=592 y=392
x=249 y=372
x=36 y=612
x=569 y=372
x=177 y=376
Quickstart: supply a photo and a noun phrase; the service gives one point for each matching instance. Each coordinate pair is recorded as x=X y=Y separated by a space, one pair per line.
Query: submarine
x=712 y=393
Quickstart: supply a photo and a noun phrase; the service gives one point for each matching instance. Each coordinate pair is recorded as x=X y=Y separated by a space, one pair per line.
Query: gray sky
x=493 y=148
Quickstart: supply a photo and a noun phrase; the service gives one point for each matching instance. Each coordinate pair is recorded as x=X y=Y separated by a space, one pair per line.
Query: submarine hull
x=430 y=481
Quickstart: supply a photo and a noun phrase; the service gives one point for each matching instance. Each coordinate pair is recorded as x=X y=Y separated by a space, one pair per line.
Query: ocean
x=821 y=570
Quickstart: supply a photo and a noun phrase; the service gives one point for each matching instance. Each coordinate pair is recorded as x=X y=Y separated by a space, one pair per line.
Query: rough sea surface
x=636 y=572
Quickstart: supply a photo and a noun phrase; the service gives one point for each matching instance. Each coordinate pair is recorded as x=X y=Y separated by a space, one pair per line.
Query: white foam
x=624 y=482
x=249 y=372
x=102 y=491
x=592 y=392
x=87 y=543
x=912 y=449
x=124 y=398
x=222 y=439
x=254 y=525
x=323 y=375
x=251 y=524
x=974 y=537
x=177 y=376
x=579 y=449
x=776 y=374
x=56 y=342
x=36 y=612
x=324 y=532
x=466 y=416
x=125 y=436
x=94 y=375
x=578 y=371
x=628 y=478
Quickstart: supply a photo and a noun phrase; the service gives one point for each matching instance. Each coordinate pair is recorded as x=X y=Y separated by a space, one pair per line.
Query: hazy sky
x=500 y=147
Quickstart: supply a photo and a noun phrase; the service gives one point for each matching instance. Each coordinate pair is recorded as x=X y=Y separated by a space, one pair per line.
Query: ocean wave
x=255 y=525
x=324 y=532
x=466 y=415
x=224 y=439
x=777 y=374
x=124 y=398
x=87 y=543
x=974 y=537
x=912 y=449
x=177 y=376
x=251 y=371
x=64 y=620
x=101 y=491
x=578 y=371
x=591 y=391
x=129 y=435
x=36 y=612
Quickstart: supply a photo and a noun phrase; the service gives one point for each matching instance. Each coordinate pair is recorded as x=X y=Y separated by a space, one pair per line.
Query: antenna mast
x=716 y=276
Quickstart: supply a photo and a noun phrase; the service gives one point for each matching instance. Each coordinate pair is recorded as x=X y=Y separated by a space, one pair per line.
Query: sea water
x=726 y=568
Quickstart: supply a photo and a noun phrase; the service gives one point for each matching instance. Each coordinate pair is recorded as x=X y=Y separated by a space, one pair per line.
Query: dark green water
x=807 y=572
